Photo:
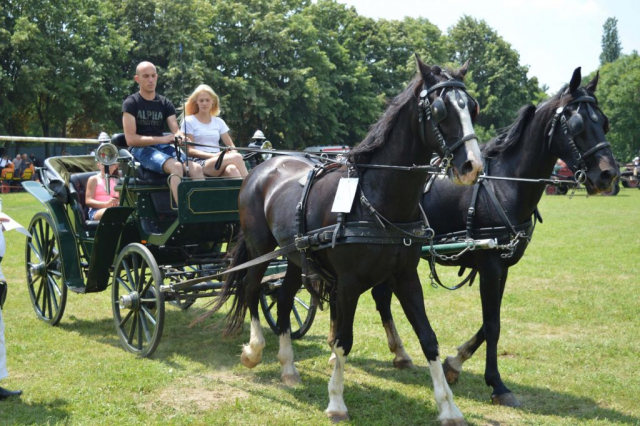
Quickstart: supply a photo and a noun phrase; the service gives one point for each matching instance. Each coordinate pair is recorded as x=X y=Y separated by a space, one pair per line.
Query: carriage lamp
x=106 y=154
x=258 y=141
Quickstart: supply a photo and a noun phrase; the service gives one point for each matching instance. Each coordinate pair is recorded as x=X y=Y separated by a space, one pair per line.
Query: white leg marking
x=252 y=353
x=290 y=375
x=402 y=358
x=444 y=398
x=464 y=354
x=337 y=406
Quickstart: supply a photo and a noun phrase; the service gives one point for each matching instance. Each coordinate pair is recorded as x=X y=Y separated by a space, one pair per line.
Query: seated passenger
x=96 y=198
x=144 y=115
x=203 y=126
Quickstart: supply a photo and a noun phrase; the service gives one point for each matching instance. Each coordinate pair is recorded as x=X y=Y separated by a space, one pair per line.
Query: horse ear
x=591 y=87
x=465 y=67
x=575 y=80
x=425 y=71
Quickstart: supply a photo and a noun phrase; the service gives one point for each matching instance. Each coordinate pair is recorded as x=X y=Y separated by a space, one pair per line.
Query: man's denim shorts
x=152 y=157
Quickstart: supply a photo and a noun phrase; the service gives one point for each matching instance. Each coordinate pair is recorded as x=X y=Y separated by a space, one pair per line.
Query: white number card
x=345 y=194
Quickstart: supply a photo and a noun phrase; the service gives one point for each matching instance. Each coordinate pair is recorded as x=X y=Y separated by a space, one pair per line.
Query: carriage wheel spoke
x=145 y=327
x=273 y=302
x=52 y=293
x=125 y=319
x=297 y=315
x=139 y=331
x=125 y=267
x=135 y=265
x=148 y=315
x=48 y=292
x=37 y=252
x=300 y=301
x=142 y=278
x=123 y=284
x=133 y=327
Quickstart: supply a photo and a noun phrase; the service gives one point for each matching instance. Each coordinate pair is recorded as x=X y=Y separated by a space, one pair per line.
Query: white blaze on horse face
x=471 y=146
x=444 y=397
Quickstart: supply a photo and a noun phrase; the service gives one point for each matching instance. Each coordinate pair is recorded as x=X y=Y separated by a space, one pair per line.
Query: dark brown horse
x=529 y=149
x=268 y=201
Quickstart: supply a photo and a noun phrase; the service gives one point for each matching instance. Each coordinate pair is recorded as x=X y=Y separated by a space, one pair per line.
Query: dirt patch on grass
x=202 y=393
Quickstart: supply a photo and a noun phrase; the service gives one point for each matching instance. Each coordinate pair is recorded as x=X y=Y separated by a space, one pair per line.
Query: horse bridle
x=575 y=126
x=434 y=113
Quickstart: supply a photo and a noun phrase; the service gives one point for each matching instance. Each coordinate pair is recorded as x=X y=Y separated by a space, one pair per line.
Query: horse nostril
x=466 y=168
x=608 y=175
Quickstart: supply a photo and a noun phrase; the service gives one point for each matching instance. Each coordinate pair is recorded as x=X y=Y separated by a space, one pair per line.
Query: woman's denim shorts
x=152 y=157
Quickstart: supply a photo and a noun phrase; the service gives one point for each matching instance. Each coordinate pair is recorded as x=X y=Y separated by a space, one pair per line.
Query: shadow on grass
x=202 y=343
x=15 y=411
x=535 y=400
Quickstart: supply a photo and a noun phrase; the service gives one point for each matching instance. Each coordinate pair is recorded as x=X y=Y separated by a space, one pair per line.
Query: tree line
x=306 y=73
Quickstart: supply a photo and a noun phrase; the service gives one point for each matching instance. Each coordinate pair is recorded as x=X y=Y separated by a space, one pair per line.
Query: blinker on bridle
x=573 y=127
x=435 y=113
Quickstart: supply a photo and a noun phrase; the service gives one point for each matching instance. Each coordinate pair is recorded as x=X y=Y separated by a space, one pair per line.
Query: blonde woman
x=203 y=126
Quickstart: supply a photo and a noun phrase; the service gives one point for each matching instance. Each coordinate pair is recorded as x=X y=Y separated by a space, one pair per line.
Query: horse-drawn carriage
x=143 y=248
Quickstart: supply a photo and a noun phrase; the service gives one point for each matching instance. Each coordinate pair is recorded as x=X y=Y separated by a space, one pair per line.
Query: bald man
x=144 y=115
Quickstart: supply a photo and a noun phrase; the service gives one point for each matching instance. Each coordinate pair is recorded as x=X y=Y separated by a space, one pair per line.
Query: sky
x=553 y=37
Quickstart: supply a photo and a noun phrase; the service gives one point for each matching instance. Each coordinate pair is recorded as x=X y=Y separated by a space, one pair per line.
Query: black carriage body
x=193 y=232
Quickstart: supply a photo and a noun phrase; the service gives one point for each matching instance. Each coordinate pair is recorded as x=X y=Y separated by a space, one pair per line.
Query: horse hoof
x=244 y=359
x=453 y=422
x=450 y=373
x=403 y=364
x=291 y=380
x=337 y=417
x=506 y=399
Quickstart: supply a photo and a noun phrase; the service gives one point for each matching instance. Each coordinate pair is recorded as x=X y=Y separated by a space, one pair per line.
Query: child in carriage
x=96 y=197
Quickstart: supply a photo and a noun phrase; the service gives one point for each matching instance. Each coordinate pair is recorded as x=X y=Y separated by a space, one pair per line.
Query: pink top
x=100 y=194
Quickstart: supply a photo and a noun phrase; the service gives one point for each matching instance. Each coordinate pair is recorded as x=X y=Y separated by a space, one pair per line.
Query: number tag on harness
x=344 y=195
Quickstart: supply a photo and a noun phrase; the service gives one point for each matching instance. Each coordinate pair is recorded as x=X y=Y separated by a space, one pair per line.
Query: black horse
x=529 y=149
x=433 y=112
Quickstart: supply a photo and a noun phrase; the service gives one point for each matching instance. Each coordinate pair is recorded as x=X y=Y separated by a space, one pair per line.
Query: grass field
x=570 y=346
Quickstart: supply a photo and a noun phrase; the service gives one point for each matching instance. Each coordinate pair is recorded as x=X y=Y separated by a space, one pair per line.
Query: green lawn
x=570 y=347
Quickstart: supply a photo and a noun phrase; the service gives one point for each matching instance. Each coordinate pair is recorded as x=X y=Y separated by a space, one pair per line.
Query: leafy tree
x=496 y=78
x=611 y=46
x=618 y=89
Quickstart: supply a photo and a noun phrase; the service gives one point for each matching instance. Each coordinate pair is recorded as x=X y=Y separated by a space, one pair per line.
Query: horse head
x=446 y=115
x=577 y=136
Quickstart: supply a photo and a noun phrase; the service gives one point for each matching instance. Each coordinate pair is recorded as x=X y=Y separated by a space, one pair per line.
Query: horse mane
x=379 y=132
x=509 y=136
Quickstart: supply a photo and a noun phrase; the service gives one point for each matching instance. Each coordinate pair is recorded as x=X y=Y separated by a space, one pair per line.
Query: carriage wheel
x=302 y=314
x=43 y=263
x=563 y=190
x=551 y=190
x=138 y=303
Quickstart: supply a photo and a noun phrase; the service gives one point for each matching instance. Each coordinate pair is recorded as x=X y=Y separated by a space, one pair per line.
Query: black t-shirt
x=151 y=116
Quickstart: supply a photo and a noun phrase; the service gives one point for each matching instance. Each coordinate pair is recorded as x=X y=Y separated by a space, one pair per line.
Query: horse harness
x=575 y=126
x=434 y=113
x=509 y=234
x=379 y=231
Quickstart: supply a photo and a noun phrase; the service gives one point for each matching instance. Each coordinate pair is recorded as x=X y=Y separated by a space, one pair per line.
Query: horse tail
x=232 y=287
